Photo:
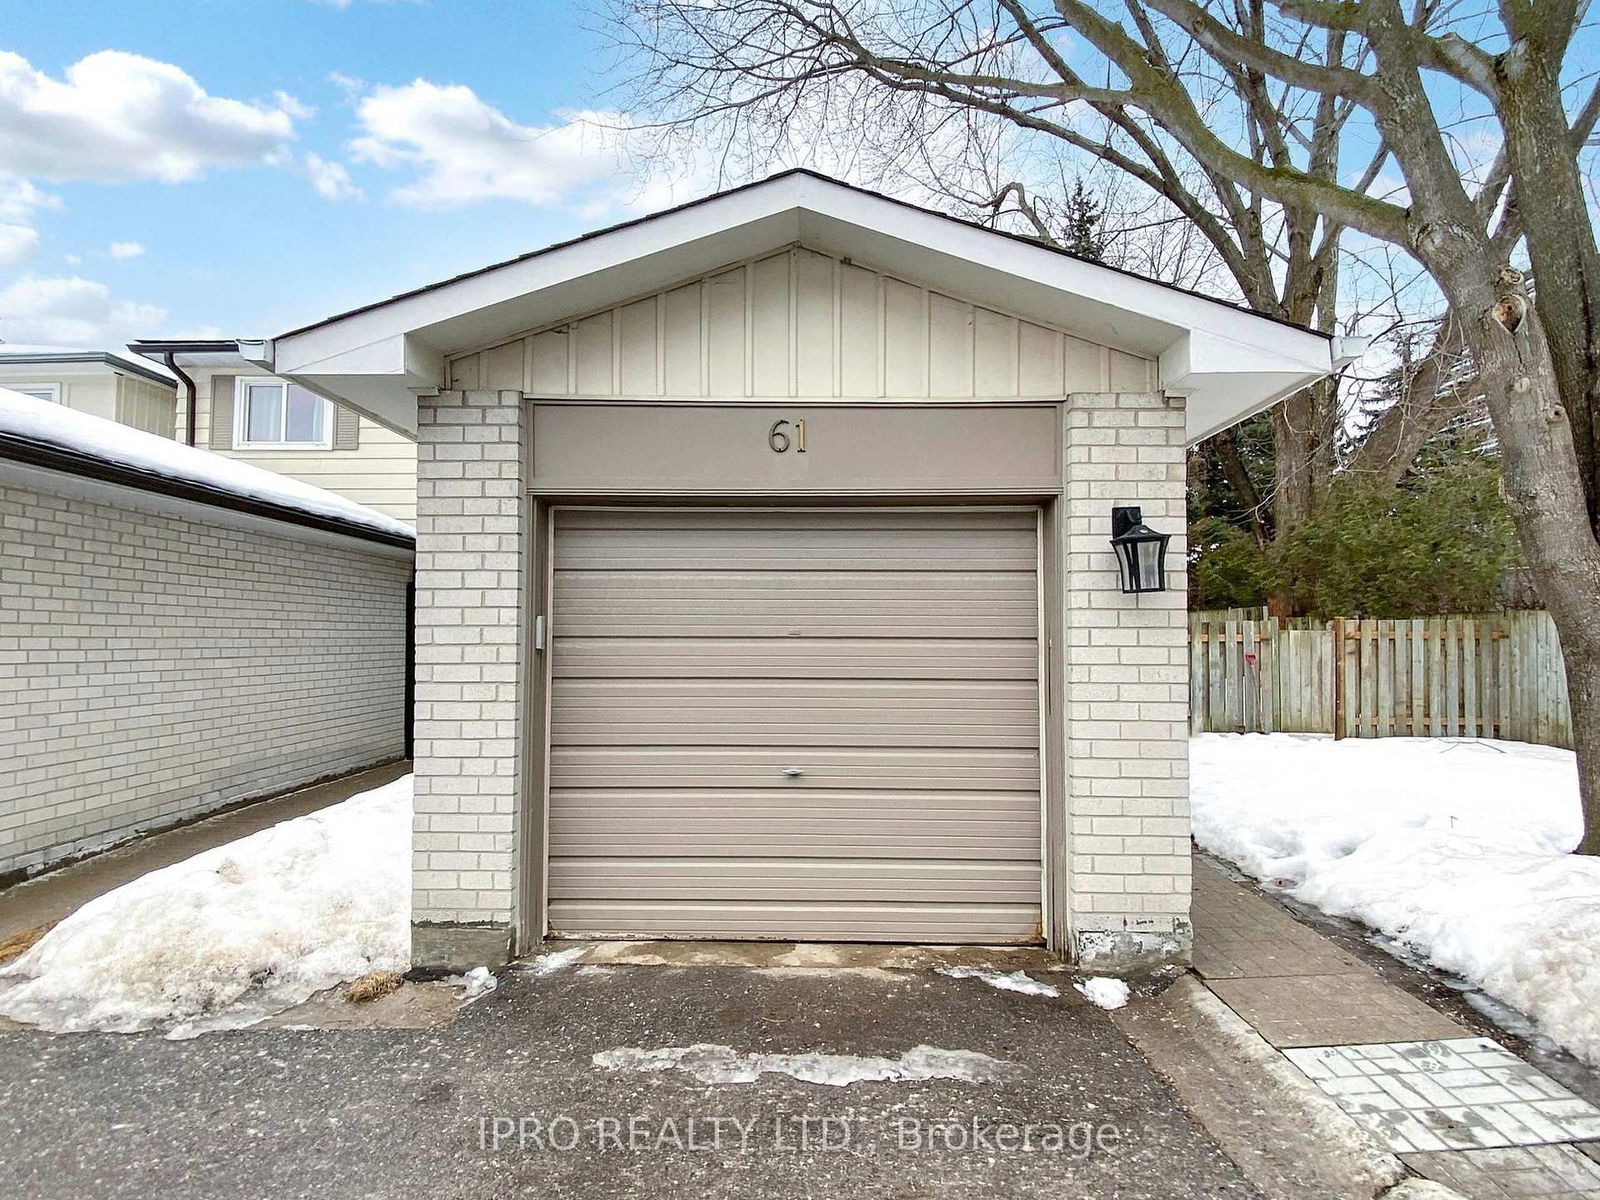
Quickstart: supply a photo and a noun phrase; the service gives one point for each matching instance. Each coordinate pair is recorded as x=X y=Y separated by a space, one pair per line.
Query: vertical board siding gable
x=804 y=324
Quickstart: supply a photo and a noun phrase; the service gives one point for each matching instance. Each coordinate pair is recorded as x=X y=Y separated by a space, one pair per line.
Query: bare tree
x=1271 y=128
x=922 y=90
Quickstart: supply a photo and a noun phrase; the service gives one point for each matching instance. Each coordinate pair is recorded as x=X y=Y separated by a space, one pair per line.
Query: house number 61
x=780 y=441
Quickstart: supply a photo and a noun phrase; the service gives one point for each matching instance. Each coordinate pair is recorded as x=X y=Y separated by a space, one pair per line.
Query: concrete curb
x=1288 y=1137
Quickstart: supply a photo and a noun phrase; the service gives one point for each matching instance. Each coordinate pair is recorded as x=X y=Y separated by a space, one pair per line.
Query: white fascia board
x=1227 y=380
x=1143 y=316
x=625 y=247
x=1237 y=359
x=380 y=380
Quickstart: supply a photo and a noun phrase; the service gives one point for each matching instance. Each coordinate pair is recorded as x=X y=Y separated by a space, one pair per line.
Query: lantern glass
x=1141 y=552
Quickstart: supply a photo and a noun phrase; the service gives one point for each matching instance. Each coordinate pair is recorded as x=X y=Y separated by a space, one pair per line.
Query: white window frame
x=39 y=391
x=241 y=416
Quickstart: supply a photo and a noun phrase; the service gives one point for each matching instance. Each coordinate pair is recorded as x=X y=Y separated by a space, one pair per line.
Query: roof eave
x=377 y=359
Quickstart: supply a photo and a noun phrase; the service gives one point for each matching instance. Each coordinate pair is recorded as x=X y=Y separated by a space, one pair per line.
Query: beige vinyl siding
x=83 y=387
x=146 y=405
x=891 y=656
x=381 y=472
x=801 y=324
x=101 y=391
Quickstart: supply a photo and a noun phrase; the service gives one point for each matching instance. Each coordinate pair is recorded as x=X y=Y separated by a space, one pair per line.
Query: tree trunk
x=1544 y=490
x=1233 y=470
x=1302 y=438
x=1561 y=242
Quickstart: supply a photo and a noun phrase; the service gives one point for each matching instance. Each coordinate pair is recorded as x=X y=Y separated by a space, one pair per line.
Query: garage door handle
x=793 y=772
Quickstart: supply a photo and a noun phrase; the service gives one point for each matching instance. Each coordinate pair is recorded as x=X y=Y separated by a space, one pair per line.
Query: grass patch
x=373 y=985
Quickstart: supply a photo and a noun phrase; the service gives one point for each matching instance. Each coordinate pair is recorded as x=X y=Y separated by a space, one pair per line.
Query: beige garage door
x=810 y=725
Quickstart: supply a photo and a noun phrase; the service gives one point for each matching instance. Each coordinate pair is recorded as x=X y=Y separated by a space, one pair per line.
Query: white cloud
x=115 y=117
x=352 y=86
x=331 y=179
x=72 y=312
x=125 y=249
x=19 y=201
x=288 y=105
x=464 y=150
x=17 y=244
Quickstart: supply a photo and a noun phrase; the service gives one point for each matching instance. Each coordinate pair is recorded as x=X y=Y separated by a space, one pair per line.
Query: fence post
x=1339 y=700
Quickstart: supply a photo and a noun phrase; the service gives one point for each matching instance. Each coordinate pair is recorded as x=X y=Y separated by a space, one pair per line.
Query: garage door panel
x=732 y=729
x=795 y=658
x=590 y=711
x=716 y=833
x=823 y=766
x=941 y=803
x=773 y=523
x=890 y=655
x=915 y=881
x=964 y=924
x=632 y=606
x=606 y=585
x=611 y=699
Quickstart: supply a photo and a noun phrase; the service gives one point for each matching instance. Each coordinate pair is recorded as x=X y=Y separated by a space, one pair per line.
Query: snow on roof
x=56 y=426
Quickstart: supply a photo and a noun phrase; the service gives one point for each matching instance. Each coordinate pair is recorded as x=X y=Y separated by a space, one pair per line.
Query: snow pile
x=475 y=984
x=67 y=429
x=723 y=1064
x=234 y=933
x=1105 y=992
x=1016 y=981
x=1458 y=850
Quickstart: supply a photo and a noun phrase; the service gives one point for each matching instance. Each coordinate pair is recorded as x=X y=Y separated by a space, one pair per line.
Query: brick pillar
x=469 y=673
x=1127 y=693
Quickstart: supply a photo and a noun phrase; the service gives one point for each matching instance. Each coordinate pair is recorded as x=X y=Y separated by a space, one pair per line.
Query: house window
x=273 y=415
x=41 y=391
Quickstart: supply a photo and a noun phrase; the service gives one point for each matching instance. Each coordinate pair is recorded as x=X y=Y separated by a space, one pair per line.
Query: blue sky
x=254 y=103
x=241 y=167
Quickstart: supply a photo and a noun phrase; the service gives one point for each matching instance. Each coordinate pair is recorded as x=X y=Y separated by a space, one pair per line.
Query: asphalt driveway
x=508 y=1100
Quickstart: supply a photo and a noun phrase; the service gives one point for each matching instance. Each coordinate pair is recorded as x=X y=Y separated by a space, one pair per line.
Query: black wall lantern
x=1141 y=551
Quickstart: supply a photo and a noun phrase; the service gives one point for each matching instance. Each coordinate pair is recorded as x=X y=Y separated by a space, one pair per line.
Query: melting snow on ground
x=1105 y=992
x=723 y=1064
x=549 y=964
x=233 y=934
x=475 y=984
x=1458 y=850
x=1016 y=981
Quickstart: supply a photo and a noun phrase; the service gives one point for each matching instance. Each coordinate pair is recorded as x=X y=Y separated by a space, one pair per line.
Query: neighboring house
x=179 y=633
x=765 y=586
x=244 y=413
x=115 y=385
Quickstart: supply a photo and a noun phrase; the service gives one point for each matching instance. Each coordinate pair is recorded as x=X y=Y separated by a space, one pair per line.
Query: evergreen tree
x=1082 y=233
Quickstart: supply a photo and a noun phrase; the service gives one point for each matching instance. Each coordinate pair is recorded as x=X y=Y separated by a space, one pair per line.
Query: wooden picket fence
x=1493 y=676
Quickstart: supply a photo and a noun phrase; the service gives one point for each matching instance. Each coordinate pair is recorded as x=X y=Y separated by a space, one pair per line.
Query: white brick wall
x=469 y=503
x=1126 y=663
x=156 y=666
x=1125 y=659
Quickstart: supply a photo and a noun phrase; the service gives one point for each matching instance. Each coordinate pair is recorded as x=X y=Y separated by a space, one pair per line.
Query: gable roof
x=1231 y=362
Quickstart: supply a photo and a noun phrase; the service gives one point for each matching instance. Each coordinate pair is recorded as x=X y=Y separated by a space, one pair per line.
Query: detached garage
x=765 y=582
